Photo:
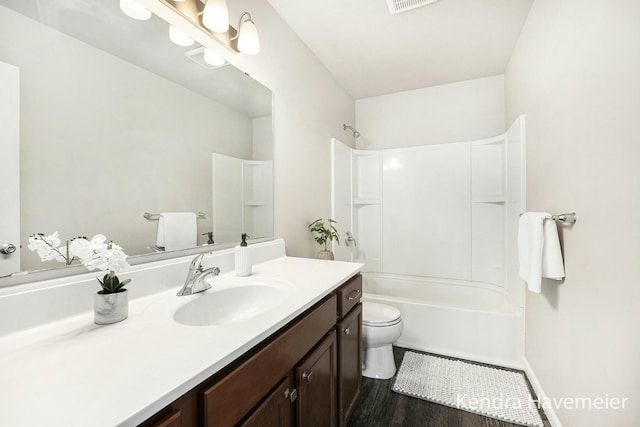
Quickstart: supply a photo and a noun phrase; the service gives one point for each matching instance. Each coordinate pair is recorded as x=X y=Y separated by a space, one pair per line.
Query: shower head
x=356 y=134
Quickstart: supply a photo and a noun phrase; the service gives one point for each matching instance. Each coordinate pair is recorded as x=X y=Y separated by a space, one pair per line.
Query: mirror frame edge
x=23 y=278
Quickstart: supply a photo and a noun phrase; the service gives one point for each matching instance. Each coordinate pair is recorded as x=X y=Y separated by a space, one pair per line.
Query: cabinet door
x=276 y=410
x=349 y=363
x=230 y=398
x=316 y=377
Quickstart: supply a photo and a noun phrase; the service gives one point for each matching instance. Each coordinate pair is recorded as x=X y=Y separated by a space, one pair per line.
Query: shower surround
x=436 y=228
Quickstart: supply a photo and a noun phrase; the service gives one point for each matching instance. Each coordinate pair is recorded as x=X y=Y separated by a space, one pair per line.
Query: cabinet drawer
x=226 y=402
x=172 y=419
x=349 y=295
x=181 y=413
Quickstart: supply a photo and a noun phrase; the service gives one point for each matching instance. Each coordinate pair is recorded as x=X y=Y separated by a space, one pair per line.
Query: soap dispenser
x=209 y=235
x=243 y=258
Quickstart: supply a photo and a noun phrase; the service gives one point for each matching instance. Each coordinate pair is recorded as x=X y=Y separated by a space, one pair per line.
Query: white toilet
x=381 y=326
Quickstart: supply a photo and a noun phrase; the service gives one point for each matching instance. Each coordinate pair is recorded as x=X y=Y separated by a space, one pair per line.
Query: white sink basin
x=232 y=300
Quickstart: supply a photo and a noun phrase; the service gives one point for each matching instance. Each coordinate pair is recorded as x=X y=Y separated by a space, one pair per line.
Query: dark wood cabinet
x=172 y=419
x=233 y=393
x=349 y=295
x=349 y=331
x=306 y=374
x=316 y=377
x=276 y=410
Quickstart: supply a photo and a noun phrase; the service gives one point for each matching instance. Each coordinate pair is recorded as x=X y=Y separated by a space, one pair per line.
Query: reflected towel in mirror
x=177 y=230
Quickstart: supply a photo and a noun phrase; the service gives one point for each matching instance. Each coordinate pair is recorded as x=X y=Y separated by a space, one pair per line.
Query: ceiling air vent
x=397 y=6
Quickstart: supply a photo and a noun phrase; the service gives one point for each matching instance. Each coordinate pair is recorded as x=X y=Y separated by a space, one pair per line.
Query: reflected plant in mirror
x=49 y=249
x=94 y=254
x=98 y=87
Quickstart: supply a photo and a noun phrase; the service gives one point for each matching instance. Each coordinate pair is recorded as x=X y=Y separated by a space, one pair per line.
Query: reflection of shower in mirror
x=356 y=134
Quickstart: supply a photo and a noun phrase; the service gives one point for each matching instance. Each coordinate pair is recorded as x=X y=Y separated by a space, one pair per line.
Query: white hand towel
x=539 y=249
x=177 y=230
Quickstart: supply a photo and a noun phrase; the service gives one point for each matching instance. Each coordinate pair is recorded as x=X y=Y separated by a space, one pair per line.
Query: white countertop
x=75 y=373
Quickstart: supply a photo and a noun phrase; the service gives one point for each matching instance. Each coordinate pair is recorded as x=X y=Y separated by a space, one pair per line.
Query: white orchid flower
x=48 y=247
x=79 y=248
x=96 y=254
x=98 y=240
x=117 y=261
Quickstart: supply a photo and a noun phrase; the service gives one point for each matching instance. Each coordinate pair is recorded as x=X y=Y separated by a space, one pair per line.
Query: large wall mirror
x=116 y=120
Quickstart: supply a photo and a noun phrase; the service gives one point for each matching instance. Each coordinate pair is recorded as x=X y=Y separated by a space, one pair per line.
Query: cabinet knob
x=346 y=331
x=292 y=395
x=307 y=377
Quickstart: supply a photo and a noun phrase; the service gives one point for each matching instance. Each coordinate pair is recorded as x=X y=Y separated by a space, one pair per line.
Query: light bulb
x=212 y=58
x=215 y=16
x=248 y=40
x=135 y=10
x=179 y=37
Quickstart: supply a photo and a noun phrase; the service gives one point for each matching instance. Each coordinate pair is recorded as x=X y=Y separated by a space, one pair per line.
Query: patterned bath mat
x=491 y=392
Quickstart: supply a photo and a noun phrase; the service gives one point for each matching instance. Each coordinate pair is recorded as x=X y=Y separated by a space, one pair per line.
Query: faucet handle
x=196 y=263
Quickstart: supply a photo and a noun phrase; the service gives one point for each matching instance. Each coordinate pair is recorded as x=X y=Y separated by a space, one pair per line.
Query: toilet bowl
x=381 y=326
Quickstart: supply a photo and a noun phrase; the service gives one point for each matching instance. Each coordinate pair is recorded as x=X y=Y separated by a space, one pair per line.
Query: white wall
x=309 y=109
x=575 y=72
x=456 y=112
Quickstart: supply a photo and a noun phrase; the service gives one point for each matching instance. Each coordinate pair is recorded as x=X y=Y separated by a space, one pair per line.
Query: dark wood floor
x=380 y=407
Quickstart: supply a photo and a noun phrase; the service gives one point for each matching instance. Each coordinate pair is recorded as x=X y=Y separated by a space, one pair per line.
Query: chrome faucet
x=196 y=278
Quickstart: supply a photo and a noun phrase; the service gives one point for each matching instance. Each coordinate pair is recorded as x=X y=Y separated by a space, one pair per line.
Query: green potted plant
x=324 y=235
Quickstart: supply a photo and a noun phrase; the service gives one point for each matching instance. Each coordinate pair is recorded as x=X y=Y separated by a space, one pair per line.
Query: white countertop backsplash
x=57 y=368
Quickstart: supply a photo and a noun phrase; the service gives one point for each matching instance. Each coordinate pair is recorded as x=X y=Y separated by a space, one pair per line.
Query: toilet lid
x=374 y=314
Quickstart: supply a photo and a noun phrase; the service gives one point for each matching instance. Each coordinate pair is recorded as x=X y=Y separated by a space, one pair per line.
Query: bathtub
x=460 y=319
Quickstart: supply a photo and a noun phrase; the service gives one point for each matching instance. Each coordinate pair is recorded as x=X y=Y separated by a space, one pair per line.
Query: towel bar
x=569 y=218
x=155 y=217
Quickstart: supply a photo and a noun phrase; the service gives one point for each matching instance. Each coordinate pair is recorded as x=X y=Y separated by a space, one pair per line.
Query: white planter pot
x=110 y=308
x=325 y=255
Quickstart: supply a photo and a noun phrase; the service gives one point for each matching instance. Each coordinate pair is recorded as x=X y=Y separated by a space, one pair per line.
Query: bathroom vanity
x=308 y=373
x=296 y=361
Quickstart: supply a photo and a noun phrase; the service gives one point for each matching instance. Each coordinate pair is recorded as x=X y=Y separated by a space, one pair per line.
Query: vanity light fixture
x=206 y=58
x=212 y=17
x=179 y=37
x=213 y=59
x=133 y=9
x=215 y=16
x=248 y=40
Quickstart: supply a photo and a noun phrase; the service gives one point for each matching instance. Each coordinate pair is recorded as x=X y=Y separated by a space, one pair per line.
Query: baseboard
x=550 y=412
